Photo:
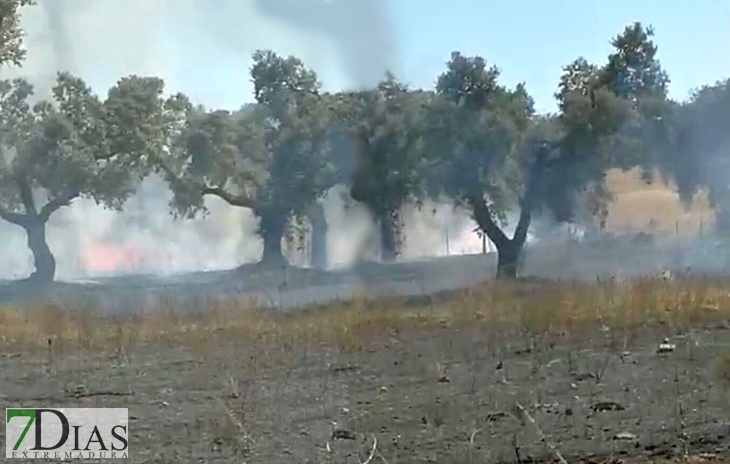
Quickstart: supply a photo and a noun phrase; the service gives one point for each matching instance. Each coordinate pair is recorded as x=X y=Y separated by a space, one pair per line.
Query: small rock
x=165 y=403
x=607 y=406
x=624 y=436
x=342 y=434
x=500 y=365
x=573 y=386
x=80 y=390
x=345 y=368
x=584 y=376
x=666 y=347
x=444 y=379
x=496 y=416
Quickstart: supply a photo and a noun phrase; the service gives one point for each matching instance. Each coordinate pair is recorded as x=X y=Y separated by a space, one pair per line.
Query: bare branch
x=56 y=203
x=525 y=417
x=13 y=218
x=26 y=195
x=484 y=220
x=233 y=200
x=372 y=451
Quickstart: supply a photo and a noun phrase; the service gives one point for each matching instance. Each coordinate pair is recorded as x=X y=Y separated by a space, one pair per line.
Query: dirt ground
x=446 y=395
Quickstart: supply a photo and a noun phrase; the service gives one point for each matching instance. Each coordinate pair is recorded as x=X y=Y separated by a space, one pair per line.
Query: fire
x=111 y=257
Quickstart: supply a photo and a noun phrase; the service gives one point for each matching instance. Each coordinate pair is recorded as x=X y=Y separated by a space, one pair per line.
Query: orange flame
x=111 y=257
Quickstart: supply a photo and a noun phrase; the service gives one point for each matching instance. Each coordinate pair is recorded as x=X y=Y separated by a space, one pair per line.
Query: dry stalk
x=372 y=451
x=525 y=416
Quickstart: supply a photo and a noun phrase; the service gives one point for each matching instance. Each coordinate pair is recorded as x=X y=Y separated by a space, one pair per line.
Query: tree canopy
x=272 y=156
x=11 y=35
x=75 y=145
x=469 y=139
x=386 y=124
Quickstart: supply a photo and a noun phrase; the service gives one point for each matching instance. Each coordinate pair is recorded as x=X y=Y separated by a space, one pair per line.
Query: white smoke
x=202 y=49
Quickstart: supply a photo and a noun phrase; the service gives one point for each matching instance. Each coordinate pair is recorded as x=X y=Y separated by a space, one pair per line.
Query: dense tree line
x=470 y=139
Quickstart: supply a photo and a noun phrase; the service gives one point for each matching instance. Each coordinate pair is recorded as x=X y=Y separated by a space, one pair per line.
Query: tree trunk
x=45 y=263
x=509 y=250
x=319 y=237
x=271 y=229
x=508 y=259
x=388 y=237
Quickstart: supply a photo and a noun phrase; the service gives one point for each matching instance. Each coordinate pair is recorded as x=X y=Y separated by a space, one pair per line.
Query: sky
x=204 y=49
x=529 y=40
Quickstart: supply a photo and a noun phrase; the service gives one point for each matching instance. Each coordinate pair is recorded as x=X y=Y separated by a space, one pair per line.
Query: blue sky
x=205 y=50
x=530 y=40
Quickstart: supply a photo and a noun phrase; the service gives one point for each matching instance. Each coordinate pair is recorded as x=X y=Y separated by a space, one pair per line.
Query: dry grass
x=653 y=207
x=560 y=307
x=252 y=383
x=274 y=381
x=410 y=382
x=573 y=309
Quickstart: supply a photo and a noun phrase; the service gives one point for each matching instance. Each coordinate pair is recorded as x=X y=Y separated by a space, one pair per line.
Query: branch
x=26 y=195
x=529 y=198
x=525 y=417
x=527 y=204
x=484 y=220
x=56 y=203
x=13 y=218
x=372 y=451
x=233 y=200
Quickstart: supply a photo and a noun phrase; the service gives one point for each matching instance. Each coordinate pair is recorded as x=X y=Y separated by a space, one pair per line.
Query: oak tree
x=385 y=125
x=75 y=145
x=270 y=156
x=11 y=35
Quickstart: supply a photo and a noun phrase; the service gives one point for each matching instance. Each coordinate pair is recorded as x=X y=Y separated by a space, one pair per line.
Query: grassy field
x=497 y=373
x=605 y=371
x=654 y=207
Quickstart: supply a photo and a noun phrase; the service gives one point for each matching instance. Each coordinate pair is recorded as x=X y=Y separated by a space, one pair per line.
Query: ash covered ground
x=289 y=288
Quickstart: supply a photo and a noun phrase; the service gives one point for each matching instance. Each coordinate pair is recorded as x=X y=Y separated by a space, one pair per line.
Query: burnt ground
x=290 y=288
x=445 y=395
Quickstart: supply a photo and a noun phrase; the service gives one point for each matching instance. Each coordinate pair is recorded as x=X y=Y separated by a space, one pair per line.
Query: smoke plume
x=203 y=49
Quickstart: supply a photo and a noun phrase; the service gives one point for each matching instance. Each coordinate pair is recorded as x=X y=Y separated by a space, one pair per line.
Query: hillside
x=654 y=207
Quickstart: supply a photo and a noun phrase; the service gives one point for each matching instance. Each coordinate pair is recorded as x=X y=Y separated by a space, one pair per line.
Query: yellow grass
x=542 y=312
x=654 y=207
x=557 y=308
x=259 y=340
x=574 y=310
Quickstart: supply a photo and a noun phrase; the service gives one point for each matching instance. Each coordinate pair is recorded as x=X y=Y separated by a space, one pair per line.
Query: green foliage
x=697 y=152
x=279 y=81
x=611 y=116
x=386 y=128
x=470 y=139
x=273 y=156
x=76 y=145
x=633 y=70
x=468 y=81
x=382 y=131
x=476 y=136
x=11 y=36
